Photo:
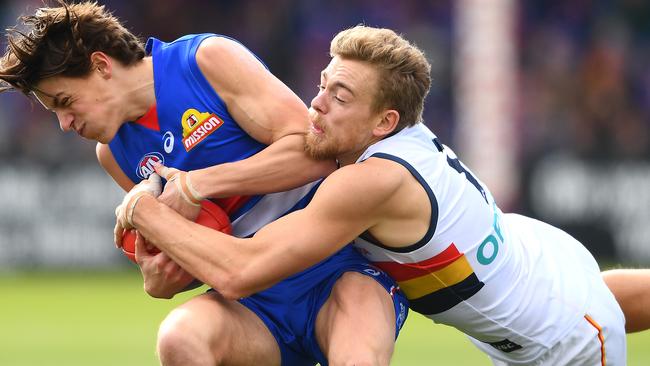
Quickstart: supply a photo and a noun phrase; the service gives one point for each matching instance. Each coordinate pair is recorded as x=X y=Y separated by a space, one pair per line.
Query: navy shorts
x=289 y=308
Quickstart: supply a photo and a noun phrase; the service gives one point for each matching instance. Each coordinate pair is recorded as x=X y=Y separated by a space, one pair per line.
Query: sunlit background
x=547 y=101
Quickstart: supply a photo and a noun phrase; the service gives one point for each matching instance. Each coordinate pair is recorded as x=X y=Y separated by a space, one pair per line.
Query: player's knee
x=171 y=348
x=172 y=342
x=192 y=332
x=180 y=339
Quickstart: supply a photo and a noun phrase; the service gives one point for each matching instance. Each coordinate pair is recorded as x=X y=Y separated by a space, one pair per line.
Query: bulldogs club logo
x=145 y=166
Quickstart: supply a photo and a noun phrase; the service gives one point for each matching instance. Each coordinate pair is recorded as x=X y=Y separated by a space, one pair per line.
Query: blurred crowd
x=585 y=80
x=584 y=84
x=583 y=77
x=291 y=37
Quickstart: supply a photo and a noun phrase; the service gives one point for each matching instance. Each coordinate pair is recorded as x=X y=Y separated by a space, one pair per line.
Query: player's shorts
x=596 y=332
x=598 y=339
x=289 y=308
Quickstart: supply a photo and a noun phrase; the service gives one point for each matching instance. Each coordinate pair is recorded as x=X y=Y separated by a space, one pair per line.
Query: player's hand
x=179 y=193
x=124 y=212
x=163 y=278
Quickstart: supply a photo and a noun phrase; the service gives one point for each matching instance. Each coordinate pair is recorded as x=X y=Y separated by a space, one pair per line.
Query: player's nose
x=318 y=103
x=65 y=120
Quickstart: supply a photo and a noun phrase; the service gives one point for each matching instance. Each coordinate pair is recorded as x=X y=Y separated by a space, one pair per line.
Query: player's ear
x=387 y=124
x=101 y=63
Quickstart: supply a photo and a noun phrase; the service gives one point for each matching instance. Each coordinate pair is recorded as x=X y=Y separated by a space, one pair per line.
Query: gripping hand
x=124 y=212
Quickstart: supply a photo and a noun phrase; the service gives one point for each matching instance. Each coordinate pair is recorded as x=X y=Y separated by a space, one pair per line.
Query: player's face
x=85 y=105
x=341 y=115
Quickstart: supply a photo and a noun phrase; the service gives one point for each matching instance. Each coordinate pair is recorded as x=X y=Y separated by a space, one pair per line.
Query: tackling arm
x=341 y=209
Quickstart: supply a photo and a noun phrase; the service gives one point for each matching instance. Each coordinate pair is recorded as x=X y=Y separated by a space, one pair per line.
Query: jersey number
x=455 y=163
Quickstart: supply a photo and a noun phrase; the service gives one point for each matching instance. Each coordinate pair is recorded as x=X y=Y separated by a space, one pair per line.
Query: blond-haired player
x=523 y=291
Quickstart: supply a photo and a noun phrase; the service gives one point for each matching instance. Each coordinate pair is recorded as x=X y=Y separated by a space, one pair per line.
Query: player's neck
x=348 y=158
x=138 y=95
x=351 y=157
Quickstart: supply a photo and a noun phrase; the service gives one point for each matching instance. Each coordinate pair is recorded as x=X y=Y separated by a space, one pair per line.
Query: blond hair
x=404 y=72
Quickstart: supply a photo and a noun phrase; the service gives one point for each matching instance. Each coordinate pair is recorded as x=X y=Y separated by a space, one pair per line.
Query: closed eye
x=62 y=103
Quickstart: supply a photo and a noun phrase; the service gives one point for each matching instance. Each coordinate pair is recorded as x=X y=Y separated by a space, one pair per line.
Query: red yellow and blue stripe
x=436 y=284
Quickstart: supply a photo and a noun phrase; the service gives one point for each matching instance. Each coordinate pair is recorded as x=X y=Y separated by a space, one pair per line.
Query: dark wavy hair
x=59 y=41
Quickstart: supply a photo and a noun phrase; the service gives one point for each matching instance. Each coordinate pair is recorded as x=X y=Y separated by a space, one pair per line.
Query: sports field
x=97 y=319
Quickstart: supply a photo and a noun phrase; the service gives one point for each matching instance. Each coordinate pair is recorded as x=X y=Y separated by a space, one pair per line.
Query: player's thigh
x=357 y=321
x=631 y=287
x=233 y=333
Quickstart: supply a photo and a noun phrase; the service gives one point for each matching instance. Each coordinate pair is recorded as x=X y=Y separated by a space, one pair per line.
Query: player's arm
x=269 y=112
x=350 y=201
x=162 y=277
x=110 y=165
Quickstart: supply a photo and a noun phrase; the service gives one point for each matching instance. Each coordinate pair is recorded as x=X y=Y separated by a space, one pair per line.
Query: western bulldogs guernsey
x=190 y=128
x=505 y=280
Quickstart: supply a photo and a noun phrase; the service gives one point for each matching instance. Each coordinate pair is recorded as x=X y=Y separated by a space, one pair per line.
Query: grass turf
x=98 y=319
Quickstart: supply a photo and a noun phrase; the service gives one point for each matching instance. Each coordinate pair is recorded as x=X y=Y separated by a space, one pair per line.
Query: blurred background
x=547 y=101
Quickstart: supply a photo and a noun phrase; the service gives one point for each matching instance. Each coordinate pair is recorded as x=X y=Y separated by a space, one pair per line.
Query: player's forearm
x=234 y=267
x=280 y=167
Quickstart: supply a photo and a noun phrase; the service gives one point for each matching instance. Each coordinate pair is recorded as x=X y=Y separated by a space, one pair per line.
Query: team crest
x=145 y=166
x=197 y=126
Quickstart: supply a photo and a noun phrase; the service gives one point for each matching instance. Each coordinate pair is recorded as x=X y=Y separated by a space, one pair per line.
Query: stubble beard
x=318 y=148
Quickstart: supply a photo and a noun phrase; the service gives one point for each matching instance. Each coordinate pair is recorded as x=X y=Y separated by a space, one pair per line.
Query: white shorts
x=598 y=340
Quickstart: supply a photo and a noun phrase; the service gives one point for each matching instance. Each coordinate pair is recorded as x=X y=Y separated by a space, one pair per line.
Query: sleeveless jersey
x=190 y=128
x=476 y=269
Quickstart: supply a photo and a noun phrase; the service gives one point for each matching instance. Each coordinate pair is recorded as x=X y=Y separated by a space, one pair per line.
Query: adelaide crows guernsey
x=505 y=280
x=190 y=128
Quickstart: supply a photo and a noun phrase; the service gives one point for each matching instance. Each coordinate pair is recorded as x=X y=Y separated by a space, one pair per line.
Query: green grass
x=98 y=319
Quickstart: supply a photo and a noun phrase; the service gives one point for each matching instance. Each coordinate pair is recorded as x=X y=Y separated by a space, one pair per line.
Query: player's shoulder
x=376 y=177
x=217 y=43
x=228 y=65
x=217 y=49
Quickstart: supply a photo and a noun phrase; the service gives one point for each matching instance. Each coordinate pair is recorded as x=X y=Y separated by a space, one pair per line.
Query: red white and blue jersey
x=190 y=128
x=513 y=283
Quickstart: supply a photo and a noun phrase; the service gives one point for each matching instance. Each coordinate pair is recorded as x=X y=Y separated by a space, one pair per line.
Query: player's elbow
x=236 y=285
x=230 y=287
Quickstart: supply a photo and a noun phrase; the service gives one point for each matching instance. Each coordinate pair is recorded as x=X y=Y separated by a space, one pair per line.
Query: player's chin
x=101 y=138
x=318 y=149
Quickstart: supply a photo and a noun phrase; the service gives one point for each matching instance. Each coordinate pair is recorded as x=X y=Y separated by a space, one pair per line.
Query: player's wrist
x=133 y=202
x=191 y=190
x=203 y=183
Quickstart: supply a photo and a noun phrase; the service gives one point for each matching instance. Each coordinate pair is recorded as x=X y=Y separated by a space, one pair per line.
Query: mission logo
x=197 y=126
